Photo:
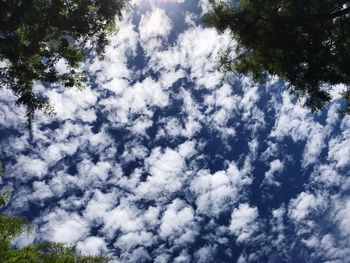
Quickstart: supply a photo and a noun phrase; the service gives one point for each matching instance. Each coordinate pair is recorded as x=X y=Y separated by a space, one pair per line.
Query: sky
x=162 y=158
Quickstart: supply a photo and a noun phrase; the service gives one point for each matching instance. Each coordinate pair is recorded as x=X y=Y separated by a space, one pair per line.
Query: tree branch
x=338 y=13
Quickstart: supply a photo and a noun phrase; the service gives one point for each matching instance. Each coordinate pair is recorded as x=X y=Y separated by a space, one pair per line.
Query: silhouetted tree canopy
x=36 y=34
x=306 y=43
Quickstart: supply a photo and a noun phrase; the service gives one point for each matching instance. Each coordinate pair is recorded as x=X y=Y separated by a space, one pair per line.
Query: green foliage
x=44 y=252
x=4 y=193
x=4 y=197
x=306 y=43
x=36 y=34
x=10 y=228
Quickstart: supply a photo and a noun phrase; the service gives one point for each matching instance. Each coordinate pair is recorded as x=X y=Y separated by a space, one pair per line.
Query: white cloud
x=205 y=6
x=61 y=226
x=278 y=227
x=196 y=49
x=132 y=240
x=56 y=152
x=299 y=124
x=342 y=216
x=175 y=221
x=10 y=114
x=99 y=205
x=166 y=172
x=204 y=254
x=27 y=167
x=121 y=219
x=303 y=205
x=93 y=246
x=154 y=27
x=244 y=221
x=100 y=170
x=339 y=151
x=71 y=103
x=184 y=257
x=276 y=167
x=41 y=191
x=215 y=193
x=137 y=99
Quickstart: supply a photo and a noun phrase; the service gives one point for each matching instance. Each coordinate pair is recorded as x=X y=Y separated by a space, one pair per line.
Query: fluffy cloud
x=61 y=226
x=217 y=192
x=154 y=27
x=243 y=221
x=276 y=166
x=29 y=167
x=176 y=221
x=166 y=172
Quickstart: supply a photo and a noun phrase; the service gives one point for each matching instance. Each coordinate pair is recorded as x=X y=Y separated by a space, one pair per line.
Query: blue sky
x=161 y=158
